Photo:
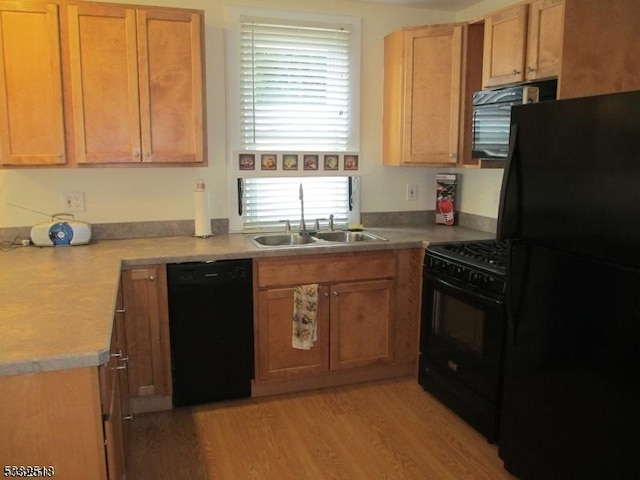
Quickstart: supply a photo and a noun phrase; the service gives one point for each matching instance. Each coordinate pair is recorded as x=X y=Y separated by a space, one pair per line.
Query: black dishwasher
x=211 y=326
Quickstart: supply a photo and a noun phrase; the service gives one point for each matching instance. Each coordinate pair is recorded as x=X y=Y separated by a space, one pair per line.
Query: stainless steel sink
x=320 y=238
x=348 y=237
x=284 y=239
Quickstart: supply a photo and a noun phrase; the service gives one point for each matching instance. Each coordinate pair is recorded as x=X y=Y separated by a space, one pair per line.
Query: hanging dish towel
x=305 y=314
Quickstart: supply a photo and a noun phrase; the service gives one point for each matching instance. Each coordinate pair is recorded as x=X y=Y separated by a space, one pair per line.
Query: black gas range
x=463 y=328
x=480 y=263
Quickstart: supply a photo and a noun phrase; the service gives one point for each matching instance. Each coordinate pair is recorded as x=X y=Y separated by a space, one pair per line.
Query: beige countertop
x=57 y=303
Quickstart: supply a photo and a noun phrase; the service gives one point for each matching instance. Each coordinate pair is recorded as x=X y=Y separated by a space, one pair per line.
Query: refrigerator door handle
x=508 y=218
x=518 y=268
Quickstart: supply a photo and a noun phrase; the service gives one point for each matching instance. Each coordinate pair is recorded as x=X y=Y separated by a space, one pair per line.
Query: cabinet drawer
x=325 y=268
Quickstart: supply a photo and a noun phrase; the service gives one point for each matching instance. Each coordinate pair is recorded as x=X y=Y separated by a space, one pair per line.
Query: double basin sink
x=317 y=239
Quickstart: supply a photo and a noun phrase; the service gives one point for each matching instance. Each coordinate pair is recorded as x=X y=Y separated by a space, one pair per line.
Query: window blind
x=294 y=85
x=268 y=201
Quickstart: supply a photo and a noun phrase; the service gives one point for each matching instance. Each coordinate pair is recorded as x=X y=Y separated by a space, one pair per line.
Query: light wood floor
x=383 y=430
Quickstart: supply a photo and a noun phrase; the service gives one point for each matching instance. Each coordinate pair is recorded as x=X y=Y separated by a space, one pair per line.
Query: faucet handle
x=331 y=222
x=287 y=225
x=317 y=225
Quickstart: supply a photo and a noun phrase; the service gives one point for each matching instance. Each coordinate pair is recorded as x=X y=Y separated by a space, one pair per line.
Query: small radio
x=61 y=232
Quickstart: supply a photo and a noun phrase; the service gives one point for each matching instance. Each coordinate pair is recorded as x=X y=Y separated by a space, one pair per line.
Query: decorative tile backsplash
x=291 y=162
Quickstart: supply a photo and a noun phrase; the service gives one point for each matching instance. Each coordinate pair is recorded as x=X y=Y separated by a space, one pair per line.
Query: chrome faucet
x=303 y=226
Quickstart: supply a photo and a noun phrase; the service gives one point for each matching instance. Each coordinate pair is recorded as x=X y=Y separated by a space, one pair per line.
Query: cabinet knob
x=325 y=295
x=136 y=154
x=452 y=155
x=530 y=69
x=516 y=72
x=152 y=278
x=335 y=293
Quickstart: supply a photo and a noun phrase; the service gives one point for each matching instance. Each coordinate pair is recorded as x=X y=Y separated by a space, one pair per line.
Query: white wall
x=146 y=194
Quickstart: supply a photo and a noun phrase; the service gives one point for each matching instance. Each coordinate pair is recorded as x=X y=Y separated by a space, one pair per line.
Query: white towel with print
x=305 y=316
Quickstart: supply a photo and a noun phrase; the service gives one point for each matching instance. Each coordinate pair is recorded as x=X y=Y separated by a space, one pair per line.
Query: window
x=269 y=201
x=296 y=85
x=293 y=86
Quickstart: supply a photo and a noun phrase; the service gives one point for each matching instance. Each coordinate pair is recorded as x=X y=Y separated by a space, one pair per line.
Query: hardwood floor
x=382 y=430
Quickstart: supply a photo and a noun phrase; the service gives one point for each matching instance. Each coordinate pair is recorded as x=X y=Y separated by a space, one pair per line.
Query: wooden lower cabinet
x=115 y=397
x=362 y=316
x=276 y=358
x=54 y=419
x=147 y=338
x=71 y=422
x=363 y=333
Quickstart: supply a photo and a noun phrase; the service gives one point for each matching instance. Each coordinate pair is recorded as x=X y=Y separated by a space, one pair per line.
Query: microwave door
x=490 y=126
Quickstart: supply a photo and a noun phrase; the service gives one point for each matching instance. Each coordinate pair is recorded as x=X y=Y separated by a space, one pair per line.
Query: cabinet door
x=170 y=60
x=544 y=39
x=104 y=83
x=600 y=48
x=431 y=96
x=31 y=106
x=114 y=434
x=123 y=364
x=362 y=317
x=147 y=331
x=276 y=357
x=505 y=35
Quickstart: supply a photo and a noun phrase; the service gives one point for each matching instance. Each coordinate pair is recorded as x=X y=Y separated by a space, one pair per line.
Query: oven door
x=461 y=337
x=461 y=349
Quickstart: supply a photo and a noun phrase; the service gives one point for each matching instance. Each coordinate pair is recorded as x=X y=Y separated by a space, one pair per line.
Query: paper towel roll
x=202 y=217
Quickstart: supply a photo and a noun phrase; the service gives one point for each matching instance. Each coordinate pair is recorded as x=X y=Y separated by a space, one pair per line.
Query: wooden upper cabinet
x=544 y=39
x=31 y=107
x=523 y=43
x=104 y=83
x=600 y=48
x=170 y=61
x=505 y=37
x=422 y=94
x=137 y=84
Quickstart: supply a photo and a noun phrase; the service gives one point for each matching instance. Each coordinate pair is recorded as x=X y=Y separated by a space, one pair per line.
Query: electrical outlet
x=412 y=192
x=73 y=202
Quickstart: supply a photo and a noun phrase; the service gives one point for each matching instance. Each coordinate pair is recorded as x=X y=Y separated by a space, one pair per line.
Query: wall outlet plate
x=73 y=202
x=412 y=192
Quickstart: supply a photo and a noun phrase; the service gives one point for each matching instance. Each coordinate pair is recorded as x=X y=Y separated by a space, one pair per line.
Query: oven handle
x=439 y=281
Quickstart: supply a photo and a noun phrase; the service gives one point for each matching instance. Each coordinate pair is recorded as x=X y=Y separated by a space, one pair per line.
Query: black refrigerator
x=570 y=212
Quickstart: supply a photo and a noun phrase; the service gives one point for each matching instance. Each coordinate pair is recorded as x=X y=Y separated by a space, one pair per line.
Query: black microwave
x=491 y=120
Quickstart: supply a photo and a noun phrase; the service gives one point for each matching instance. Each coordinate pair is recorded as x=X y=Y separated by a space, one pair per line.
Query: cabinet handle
x=128 y=417
x=335 y=293
x=136 y=154
x=530 y=69
x=152 y=278
x=121 y=310
x=325 y=295
x=120 y=367
x=516 y=72
x=452 y=155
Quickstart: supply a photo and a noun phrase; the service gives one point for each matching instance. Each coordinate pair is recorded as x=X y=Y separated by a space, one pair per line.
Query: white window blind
x=268 y=201
x=295 y=82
